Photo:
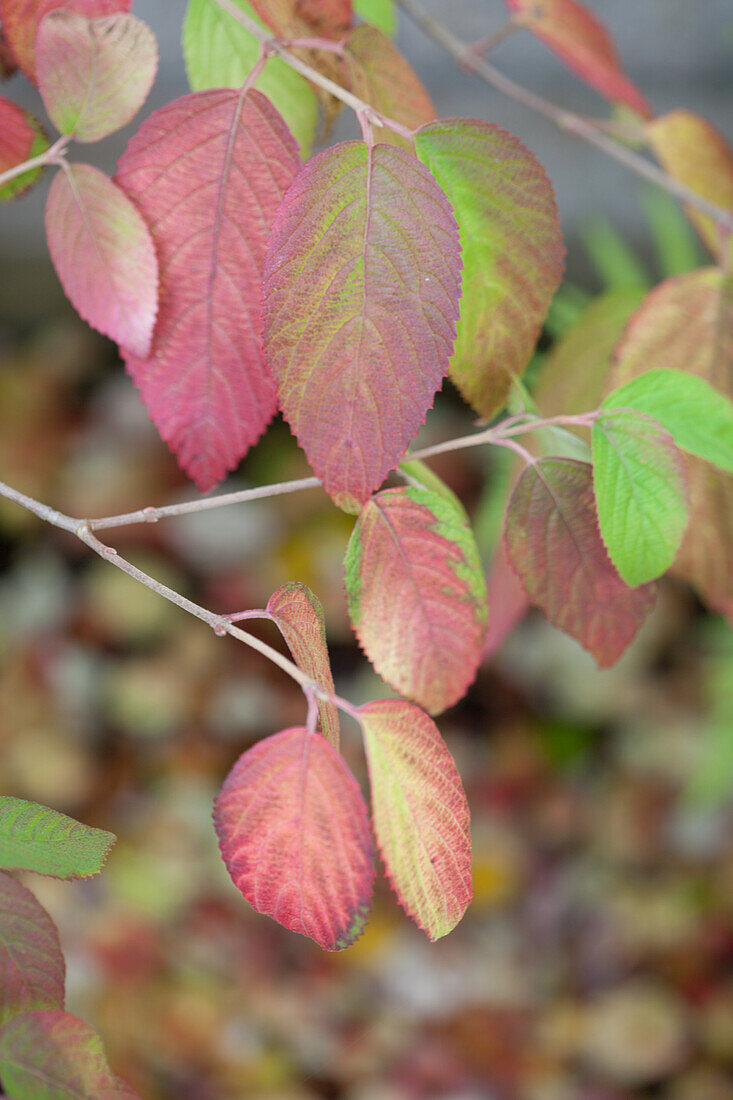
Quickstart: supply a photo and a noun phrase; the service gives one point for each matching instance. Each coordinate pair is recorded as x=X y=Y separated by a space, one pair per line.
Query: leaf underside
x=207 y=173
x=294 y=835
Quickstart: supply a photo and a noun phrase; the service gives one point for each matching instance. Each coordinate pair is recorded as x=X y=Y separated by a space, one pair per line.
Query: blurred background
x=596 y=962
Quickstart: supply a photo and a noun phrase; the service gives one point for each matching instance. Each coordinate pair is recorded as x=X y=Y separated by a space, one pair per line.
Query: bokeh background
x=596 y=962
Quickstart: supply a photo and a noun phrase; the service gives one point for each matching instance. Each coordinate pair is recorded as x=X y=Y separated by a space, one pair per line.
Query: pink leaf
x=417 y=596
x=360 y=293
x=22 y=18
x=56 y=1056
x=208 y=173
x=94 y=74
x=583 y=43
x=294 y=834
x=21 y=138
x=420 y=814
x=103 y=255
x=299 y=616
x=31 y=964
x=507 y=600
x=554 y=543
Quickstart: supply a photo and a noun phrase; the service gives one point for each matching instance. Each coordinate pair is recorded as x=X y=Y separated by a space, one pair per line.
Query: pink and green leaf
x=22 y=18
x=554 y=545
x=294 y=835
x=420 y=812
x=94 y=74
x=208 y=172
x=299 y=616
x=511 y=246
x=21 y=138
x=32 y=970
x=103 y=255
x=383 y=78
x=581 y=41
x=693 y=151
x=220 y=53
x=35 y=838
x=686 y=323
x=360 y=299
x=56 y=1056
x=417 y=594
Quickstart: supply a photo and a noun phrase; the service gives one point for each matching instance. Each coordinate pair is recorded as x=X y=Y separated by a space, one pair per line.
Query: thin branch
x=53 y=155
x=275 y=46
x=568 y=121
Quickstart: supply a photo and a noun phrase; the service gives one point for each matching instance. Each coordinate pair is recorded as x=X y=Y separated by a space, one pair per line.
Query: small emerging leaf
x=103 y=255
x=695 y=153
x=220 y=53
x=641 y=492
x=417 y=595
x=294 y=835
x=580 y=40
x=21 y=139
x=698 y=417
x=208 y=172
x=56 y=1056
x=421 y=815
x=360 y=299
x=35 y=838
x=32 y=970
x=299 y=616
x=22 y=18
x=554 y=544
x=511 y=246
x=94 y=74
x=383 y=78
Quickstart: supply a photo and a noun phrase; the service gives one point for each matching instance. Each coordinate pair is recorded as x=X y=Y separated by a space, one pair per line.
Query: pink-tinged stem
x=53 y=155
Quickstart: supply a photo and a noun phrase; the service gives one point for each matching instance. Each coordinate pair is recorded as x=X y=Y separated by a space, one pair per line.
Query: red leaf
x=294 y=834
x=583 y=43
x=7 y=61
x=103 y=255
x=361 y=287
x=381 y=76
x=299 y=616
x=208 y=173
x=554 y=544
x=417 y=596
x=21 y=138
x=420 y=814
x=32 y=967
x=21 y=19
x=54 y=1055
x=94 y=74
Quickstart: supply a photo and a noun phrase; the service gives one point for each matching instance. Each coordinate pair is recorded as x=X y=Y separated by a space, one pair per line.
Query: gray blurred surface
x=679 y=52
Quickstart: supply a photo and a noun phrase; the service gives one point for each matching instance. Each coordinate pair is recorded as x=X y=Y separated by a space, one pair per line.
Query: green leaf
x=220 y=53
x=616 y=264
x=641 y=493
x=35 y=838
x=697 y=416
x=380 y=13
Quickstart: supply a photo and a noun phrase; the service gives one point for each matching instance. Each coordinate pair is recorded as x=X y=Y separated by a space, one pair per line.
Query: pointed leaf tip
x=36 y=838
x=208 y=172
x=421 y=815
x=294 y=835
x=360 y=299
x=417 y=594
x=94 y=74
x=554 y=545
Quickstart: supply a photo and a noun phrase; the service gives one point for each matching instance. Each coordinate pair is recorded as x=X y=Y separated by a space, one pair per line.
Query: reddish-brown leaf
x=360 y=299
x=686 y=323
x=21 y=138
x=299 y=616
x=580 y=40
x=208 y=173
x=22 y=18
x=103 y=255
x=695 y=153
x=554 y=544
x=307 y=18
x=32 y=969
x=294 y=834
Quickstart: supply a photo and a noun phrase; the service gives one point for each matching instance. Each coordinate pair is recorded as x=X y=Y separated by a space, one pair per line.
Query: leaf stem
x=568 y=121
x=53 y=155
